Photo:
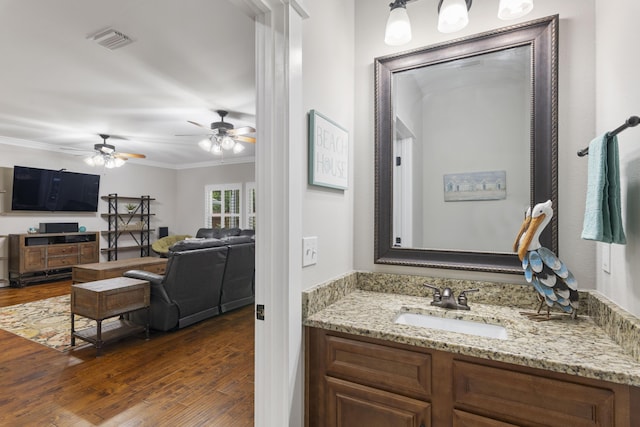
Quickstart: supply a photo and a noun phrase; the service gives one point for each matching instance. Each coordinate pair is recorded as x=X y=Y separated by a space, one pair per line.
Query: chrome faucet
x=446 y=299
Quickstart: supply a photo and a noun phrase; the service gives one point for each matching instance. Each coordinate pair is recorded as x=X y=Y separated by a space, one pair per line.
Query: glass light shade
x=513 y=9
x=398 y=30
x=205 y=144
x=89 y=160
x=227 y=143
x=118 y=162
x=453 y=16
x=216 y=149
x=98 y=159
x=238 y=148
x=109 y=163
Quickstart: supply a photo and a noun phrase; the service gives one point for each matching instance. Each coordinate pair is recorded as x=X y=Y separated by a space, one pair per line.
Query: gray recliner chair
x=238 y=285
x=190 y=289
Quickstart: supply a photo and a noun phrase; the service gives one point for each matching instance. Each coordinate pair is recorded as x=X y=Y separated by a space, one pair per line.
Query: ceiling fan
x=106 y=155
x=223 y=136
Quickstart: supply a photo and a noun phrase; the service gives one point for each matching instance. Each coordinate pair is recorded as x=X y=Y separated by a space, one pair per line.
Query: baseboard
x=237 y=304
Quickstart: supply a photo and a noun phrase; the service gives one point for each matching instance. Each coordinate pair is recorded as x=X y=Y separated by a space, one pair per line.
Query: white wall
x=617 y=98
x=190 y=184
x=576 y=118
x=328 y=82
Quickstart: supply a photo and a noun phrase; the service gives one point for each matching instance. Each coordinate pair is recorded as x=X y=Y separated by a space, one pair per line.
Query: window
x=251 y=205
x=223 y=206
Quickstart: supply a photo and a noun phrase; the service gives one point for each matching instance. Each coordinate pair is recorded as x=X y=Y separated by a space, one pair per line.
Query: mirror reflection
x=462 y=132
x=466 y=140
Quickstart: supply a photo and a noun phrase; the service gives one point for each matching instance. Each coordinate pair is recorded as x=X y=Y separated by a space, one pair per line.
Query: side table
x=102 y=299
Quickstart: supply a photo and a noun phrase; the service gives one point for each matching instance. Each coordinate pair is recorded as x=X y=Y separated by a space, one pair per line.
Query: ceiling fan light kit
x=224 y=137
x=106 y=160
x=107 y=156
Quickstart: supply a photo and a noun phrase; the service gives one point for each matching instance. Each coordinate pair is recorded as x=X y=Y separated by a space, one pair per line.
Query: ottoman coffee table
x=108 y=298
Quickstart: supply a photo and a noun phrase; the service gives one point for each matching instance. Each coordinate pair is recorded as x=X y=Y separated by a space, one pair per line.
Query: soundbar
x=58 y=227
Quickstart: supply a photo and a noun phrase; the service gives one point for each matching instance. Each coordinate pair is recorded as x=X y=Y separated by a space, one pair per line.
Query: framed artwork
x=328 y=152
x=465 y=186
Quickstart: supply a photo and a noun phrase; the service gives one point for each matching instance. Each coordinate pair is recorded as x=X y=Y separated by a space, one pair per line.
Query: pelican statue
x=542 y=268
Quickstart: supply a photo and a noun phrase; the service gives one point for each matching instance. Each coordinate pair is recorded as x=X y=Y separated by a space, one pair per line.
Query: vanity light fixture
x=453 y=15
x=398 y=30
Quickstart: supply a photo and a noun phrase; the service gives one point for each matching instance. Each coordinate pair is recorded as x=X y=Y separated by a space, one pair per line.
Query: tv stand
x=48 y=256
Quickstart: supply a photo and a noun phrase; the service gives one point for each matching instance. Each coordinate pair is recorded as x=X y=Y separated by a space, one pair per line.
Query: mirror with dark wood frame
x=466 y=140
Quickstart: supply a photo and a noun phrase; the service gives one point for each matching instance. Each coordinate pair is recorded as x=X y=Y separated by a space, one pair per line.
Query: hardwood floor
x=198 y=376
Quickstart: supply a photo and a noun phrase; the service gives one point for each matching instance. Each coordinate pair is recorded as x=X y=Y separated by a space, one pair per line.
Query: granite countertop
x=572 y=346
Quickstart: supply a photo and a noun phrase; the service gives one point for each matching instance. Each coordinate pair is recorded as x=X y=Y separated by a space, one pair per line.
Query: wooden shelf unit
x=120 y=225
x=41 y=256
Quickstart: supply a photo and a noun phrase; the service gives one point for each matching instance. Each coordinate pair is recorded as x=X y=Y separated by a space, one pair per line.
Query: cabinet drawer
x=529 y=400
x=62 y=261
x=465 y=419
x=353 y=404
x=55 y=250
x=392 y=369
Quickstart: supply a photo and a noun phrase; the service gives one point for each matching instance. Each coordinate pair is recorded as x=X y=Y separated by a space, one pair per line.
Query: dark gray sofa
x=204 y=277
x=238 y=284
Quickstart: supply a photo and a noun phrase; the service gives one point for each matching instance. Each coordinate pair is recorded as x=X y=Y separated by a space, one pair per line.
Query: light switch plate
x=309 y=250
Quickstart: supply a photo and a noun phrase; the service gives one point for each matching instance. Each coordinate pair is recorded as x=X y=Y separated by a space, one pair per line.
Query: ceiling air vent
x=111 y=39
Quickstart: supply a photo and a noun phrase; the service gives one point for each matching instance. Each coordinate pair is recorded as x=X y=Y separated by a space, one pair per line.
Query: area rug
x=47 y=322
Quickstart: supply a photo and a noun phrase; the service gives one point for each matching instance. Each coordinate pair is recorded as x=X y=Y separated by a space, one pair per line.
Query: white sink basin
x=453 y=325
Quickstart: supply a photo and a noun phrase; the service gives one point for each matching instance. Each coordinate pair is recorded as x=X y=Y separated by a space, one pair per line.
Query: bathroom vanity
x=363 y=368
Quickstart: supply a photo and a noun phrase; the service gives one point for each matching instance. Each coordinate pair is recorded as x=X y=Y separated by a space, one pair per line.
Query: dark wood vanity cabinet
x=362 y=383
x=352 y=380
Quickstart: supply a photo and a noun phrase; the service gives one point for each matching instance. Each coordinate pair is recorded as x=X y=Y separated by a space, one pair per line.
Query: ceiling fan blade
x=198 y=124
x=242 y=131
x=127 y=155
x=245 y=139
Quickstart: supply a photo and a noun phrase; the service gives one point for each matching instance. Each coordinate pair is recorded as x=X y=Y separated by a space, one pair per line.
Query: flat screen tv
x=54 y=190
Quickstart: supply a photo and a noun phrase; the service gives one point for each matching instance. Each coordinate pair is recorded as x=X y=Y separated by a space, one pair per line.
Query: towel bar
x=631 y=122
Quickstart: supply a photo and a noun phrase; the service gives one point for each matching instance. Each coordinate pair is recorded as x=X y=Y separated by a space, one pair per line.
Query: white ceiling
x=59 y=89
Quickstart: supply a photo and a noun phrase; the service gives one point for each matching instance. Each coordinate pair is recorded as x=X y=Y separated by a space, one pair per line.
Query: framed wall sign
x=328 y=152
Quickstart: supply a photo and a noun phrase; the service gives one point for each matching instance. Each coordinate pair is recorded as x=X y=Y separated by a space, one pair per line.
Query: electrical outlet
x=309 y=251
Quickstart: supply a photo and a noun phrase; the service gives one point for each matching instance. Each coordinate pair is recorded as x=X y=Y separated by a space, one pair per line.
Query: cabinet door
x=391 y=369
x=34 y=258
x=88 y=253
x=350 y=404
